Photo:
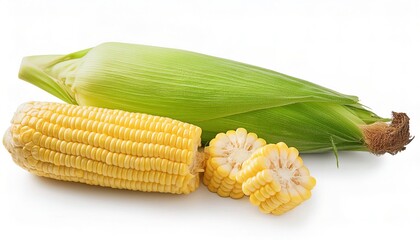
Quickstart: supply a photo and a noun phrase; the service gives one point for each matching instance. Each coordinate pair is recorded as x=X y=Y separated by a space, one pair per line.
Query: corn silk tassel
x=217 y=95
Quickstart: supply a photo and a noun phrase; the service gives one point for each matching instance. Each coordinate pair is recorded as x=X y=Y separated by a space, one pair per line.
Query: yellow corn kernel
x=275 y=179
x=226 y=153
x=105 y=147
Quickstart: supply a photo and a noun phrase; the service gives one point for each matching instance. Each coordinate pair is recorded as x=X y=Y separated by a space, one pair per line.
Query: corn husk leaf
x=214 y=93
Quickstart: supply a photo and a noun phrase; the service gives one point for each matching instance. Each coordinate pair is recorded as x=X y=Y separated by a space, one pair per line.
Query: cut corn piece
x=275 y=179
x=104 y=147
x=226 y=153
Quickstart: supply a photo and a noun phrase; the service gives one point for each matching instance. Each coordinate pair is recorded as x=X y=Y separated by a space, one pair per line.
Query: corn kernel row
x=104 y=147
x=275 y=179
x=226 y=153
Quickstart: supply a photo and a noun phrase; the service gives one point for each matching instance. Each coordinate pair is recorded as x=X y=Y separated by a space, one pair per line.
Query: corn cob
x=217 y=95
x=275 y=179
x=110 y=148
x=226 y=153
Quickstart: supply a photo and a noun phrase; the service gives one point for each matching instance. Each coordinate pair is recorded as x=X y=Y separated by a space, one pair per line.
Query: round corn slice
x=226 y=153
x=275 y=179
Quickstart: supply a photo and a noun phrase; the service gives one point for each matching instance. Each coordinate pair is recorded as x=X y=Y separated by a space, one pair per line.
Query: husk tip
x=391 y=138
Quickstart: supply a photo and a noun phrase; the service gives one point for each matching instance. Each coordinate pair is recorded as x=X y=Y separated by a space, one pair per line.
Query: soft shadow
x=360 y=162
x=322 y=167
x=105 y=195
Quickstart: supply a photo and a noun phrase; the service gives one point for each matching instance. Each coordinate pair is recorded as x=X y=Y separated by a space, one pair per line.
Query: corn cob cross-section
x=276 y=179
x=105 y=147
x=226 y=153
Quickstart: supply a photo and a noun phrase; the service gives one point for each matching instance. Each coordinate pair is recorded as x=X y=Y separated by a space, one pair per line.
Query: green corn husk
x=217 y=95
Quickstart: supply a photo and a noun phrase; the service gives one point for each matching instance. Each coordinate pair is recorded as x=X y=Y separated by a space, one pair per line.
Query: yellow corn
x=275 y=179
x=105 y=147
x=226 y=153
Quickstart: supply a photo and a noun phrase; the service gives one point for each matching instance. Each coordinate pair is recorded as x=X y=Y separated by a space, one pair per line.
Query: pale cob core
x=226 y=153
x=105 y=147
x=275 y=179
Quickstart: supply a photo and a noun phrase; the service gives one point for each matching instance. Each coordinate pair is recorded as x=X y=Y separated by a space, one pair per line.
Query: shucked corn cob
x=226 y=153
x=275 y=178
x=104 y=147
x=217 y=95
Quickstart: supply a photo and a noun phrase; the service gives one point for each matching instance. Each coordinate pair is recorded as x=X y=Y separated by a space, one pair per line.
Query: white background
x=367 y=48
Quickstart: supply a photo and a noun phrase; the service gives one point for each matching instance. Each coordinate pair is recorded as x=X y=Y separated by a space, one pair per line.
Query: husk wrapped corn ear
x=217 y=95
